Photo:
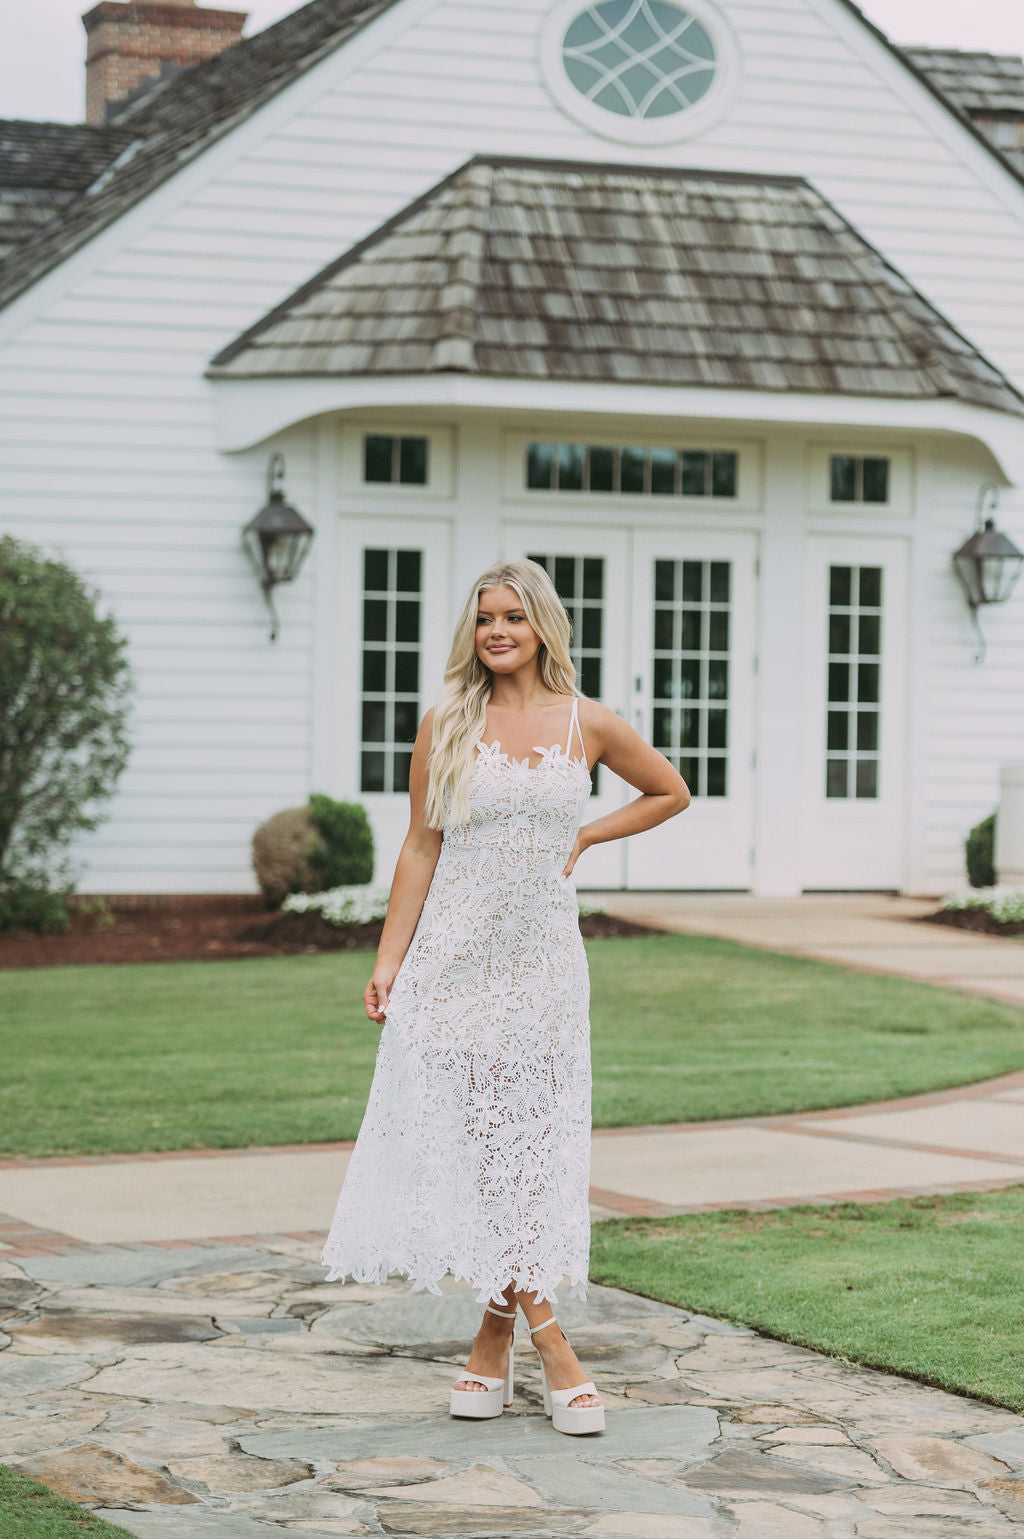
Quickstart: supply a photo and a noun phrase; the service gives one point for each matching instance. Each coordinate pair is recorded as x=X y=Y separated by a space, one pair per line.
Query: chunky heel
x=565 y=1417
x=496 y=1393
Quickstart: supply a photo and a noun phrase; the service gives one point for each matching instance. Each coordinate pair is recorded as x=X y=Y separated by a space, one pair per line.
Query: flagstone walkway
x=227 y=1391
x=168 y=1361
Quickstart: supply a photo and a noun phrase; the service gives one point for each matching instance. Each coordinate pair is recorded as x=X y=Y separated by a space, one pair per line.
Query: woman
x=474 y=1153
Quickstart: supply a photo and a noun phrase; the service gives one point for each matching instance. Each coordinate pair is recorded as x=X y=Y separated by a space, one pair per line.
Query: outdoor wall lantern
x=988 y=564
x=277 y=539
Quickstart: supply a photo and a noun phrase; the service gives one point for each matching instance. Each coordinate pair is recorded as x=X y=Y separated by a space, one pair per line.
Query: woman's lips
x=499 y=649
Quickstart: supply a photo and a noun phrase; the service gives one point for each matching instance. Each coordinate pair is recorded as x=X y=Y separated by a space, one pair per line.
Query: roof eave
x=250 y=411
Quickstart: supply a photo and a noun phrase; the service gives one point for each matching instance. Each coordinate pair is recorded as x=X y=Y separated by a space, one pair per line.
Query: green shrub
x=343 y=857
x=64 y=691
x=23 y=907
x=980 y=851
x=310 y=849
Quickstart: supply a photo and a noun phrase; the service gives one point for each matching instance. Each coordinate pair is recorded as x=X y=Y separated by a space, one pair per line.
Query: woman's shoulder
x=593 y=714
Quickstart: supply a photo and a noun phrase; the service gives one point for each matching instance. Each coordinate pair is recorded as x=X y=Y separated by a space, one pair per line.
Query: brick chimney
x=132 y=44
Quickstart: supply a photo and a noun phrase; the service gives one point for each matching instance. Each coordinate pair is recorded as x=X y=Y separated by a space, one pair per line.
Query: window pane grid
x=690 y=670
x=633 y=471
x=858 y=478
x=579 y=581
x=390 y=698
x=853 y=691
x=395 y=459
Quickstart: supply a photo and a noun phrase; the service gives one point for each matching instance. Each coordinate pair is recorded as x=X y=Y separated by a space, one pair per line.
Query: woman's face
x=505 y=639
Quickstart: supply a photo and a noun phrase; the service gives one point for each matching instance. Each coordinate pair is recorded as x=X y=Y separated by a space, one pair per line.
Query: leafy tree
x=65 y=685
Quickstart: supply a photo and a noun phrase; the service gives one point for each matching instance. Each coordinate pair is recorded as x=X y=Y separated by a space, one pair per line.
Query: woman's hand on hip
x=577 y=850
x=378 y=992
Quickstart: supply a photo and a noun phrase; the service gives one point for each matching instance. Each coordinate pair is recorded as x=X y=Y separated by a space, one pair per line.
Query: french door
x=673 y=652
x=391 y=649
x=855 y=709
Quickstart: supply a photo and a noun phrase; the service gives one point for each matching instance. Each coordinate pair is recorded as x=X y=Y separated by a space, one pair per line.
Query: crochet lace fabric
x=474 y=1153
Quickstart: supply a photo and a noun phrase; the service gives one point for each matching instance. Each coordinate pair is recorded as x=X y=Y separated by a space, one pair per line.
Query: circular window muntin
x=631 y=130
x=666 y=76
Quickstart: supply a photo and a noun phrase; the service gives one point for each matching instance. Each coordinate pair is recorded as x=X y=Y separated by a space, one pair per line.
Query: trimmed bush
x=324 y=845
x=980 y=852
x=344 y=856
x=281 y=848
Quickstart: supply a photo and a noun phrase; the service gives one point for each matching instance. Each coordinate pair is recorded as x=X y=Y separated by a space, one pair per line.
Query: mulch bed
x=976 y=919
x=211 y=934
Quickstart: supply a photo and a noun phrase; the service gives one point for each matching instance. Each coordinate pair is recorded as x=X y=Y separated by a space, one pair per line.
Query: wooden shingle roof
x=980 y=84
x=179 y=118
x=43 y=168
x=547 y=270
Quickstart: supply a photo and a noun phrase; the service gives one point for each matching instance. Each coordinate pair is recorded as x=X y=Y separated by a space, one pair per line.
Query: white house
x=716 y=306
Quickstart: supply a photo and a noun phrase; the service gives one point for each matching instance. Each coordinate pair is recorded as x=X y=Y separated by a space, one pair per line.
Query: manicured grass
x=29 y=1510
x=928 y=1287
x=235 y=1053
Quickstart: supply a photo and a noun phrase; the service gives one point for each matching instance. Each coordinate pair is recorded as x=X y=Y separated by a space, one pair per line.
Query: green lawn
x=29 y=1510
x=927 y=1287
x=235 y=1053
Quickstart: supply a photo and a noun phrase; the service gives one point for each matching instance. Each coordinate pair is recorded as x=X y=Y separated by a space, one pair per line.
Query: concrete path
x=872 y=931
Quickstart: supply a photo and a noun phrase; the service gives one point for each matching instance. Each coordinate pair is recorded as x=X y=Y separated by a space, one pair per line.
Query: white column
x=478 y=473
x=780 y=693
x=1009 y=854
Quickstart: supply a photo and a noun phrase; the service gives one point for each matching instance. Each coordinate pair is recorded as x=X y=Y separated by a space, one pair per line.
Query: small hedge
x=325 y=844
x=980 y=852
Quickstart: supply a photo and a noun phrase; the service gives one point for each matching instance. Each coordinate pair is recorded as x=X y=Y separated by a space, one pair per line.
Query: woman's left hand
x=577 y=851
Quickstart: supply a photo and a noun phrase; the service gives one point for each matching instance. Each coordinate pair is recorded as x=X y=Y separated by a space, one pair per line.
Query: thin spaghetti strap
x=574 y=721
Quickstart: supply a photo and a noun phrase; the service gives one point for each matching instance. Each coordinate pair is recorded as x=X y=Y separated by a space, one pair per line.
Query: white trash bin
x=1009 y=852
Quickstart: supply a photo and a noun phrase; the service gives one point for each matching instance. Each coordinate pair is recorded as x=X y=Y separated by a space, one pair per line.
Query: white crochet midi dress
x=474 y=1153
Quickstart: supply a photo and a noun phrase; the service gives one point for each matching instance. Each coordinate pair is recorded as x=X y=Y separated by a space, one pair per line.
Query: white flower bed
x=361 y=905
x=1005 y=904
x=341 y=905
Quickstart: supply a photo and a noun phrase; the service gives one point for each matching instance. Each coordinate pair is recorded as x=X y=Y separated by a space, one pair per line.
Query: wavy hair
x=461 y=712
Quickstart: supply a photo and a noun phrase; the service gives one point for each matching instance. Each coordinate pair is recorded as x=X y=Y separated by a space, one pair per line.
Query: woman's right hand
x=378 y=991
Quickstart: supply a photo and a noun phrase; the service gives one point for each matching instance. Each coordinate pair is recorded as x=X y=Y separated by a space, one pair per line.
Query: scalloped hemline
x=489 y=1293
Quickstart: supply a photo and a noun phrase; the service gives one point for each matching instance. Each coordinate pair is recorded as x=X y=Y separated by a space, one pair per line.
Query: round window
x=641 y=59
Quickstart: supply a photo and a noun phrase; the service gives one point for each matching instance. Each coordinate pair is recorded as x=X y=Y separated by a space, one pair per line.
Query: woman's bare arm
x=413 y=873
x=664 y=792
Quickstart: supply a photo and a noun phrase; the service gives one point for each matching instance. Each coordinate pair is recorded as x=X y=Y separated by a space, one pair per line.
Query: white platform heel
x=496 y=1393
x=564 y=1416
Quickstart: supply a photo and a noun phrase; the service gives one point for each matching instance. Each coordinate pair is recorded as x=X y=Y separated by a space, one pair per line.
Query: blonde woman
x=474 y=1153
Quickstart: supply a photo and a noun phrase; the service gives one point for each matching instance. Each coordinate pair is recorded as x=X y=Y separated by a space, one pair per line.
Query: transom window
x=394 y=458
x=854 y=681
x=390 y=698
x=853 y=478
x=659 y=472
x=640 y=59
x=690 y=665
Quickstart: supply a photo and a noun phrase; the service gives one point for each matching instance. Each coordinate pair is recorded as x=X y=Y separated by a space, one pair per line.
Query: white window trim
x=440 y=483
x=748 y=470
x=666 y=130
x=900 y=503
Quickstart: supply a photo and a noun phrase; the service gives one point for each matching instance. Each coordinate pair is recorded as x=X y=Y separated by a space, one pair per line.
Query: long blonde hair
x=461 y=713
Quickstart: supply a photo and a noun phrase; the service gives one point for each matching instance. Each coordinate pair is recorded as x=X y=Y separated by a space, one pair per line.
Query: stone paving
x=226 y=1390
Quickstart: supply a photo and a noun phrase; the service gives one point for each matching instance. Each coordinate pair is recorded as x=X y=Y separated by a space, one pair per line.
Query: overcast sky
x=42 y=71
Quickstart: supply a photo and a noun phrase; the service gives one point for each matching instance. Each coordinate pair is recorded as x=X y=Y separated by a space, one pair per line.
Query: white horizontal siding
x=975 y=716
x=107 y=431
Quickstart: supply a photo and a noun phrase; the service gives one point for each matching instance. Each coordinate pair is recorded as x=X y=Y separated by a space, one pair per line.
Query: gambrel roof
x=632 y=275
x=180 y=117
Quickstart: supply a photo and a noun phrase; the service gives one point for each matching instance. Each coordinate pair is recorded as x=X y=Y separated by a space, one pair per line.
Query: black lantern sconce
x=988 y=564
x=277 y=539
